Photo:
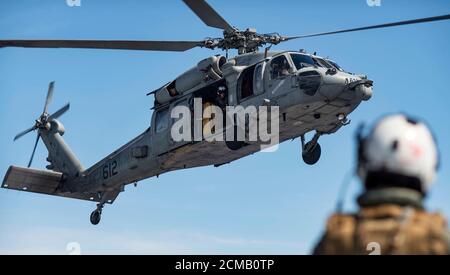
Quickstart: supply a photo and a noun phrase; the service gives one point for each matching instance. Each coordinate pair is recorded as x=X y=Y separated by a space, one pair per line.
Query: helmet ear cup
x=438 y=163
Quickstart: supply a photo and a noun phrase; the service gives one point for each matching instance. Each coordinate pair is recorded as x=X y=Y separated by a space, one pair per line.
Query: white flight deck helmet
x=401 y=148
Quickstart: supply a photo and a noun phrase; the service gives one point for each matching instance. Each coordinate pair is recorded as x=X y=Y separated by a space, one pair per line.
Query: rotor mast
x=247 y=41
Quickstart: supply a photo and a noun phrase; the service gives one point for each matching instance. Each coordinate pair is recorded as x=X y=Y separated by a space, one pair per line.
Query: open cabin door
x=251 y=94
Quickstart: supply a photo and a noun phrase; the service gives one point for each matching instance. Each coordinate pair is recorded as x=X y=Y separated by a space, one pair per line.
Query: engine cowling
x=206 y=71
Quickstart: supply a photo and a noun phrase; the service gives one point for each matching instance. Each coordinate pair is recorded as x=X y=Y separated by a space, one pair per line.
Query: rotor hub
x=42 y=121
x=247 y=41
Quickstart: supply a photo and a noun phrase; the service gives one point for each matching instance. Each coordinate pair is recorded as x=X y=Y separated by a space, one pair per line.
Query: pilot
x=284 y=68
x=280 y=67
x=397 y=163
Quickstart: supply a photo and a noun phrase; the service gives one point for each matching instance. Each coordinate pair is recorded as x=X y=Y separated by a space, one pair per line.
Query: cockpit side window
x=279 y=67
x=302 y=60
x=162 y=120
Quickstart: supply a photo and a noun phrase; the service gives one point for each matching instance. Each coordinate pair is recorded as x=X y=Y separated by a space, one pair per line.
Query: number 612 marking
x=110 y=170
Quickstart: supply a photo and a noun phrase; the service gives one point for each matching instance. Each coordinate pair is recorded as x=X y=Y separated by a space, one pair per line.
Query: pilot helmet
x=398 y=152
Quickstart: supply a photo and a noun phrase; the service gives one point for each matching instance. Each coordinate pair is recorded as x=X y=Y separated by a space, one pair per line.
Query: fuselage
x=312 y=94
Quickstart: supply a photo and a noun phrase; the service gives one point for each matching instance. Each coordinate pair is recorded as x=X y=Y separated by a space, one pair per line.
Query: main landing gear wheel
x=235 y=145
x=313 y=156
x=311 y=151
x=96 y=216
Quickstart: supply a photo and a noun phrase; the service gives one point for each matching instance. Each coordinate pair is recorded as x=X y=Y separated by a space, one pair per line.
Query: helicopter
x=304 y=93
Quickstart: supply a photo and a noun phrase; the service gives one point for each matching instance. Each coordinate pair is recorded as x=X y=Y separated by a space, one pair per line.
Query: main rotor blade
x=49 y=98
x=408 y=22
x=24 y=133
x=207 y=14
x=175 y=46
x=60 y=112
x=34 y=150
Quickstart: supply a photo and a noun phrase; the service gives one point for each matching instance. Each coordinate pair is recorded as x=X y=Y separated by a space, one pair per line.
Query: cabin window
x=280 y=67
x=162 y=120
x=259 y=79
x=246 y=83
x=301 y=61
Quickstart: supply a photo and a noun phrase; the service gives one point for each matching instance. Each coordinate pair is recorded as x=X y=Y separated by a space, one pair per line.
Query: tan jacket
x=386 y=229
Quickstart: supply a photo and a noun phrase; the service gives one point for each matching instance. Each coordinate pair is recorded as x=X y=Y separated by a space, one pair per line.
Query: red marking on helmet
x=416 y=150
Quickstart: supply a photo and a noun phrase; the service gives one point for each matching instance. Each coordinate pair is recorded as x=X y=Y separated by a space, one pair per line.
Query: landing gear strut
x=96 y=215
x=311 y=151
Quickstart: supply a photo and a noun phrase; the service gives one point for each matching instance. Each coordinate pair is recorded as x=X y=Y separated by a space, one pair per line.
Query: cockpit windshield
x=335 y=65
x=322 y=63
x=301 y=61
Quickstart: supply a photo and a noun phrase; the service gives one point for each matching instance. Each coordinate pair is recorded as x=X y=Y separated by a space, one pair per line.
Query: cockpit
x=303 y=60
x=335 y=65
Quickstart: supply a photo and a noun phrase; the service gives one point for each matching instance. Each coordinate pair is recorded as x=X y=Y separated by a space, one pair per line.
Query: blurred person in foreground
x=397 y=164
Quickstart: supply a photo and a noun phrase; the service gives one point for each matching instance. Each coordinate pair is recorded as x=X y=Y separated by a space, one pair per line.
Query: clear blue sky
x=263 y=204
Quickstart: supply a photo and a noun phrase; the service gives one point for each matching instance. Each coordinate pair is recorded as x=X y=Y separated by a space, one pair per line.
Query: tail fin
x=60 y=156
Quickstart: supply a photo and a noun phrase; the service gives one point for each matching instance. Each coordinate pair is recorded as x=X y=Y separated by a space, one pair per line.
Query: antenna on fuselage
x=266 y=51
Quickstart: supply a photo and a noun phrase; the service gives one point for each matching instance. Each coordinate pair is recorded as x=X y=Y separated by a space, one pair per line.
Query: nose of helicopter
x=345 y=85
x=364 y=89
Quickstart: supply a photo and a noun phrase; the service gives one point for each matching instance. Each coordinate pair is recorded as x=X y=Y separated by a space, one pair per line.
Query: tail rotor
x=43 y=122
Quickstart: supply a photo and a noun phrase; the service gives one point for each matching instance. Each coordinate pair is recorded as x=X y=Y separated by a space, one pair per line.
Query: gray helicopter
x=311 y=94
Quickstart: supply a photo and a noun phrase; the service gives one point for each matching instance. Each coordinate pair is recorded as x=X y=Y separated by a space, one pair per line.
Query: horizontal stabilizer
x=45 y=182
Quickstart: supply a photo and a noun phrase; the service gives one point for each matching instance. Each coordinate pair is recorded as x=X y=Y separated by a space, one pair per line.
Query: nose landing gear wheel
x=312 y=157
x=96 y=216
